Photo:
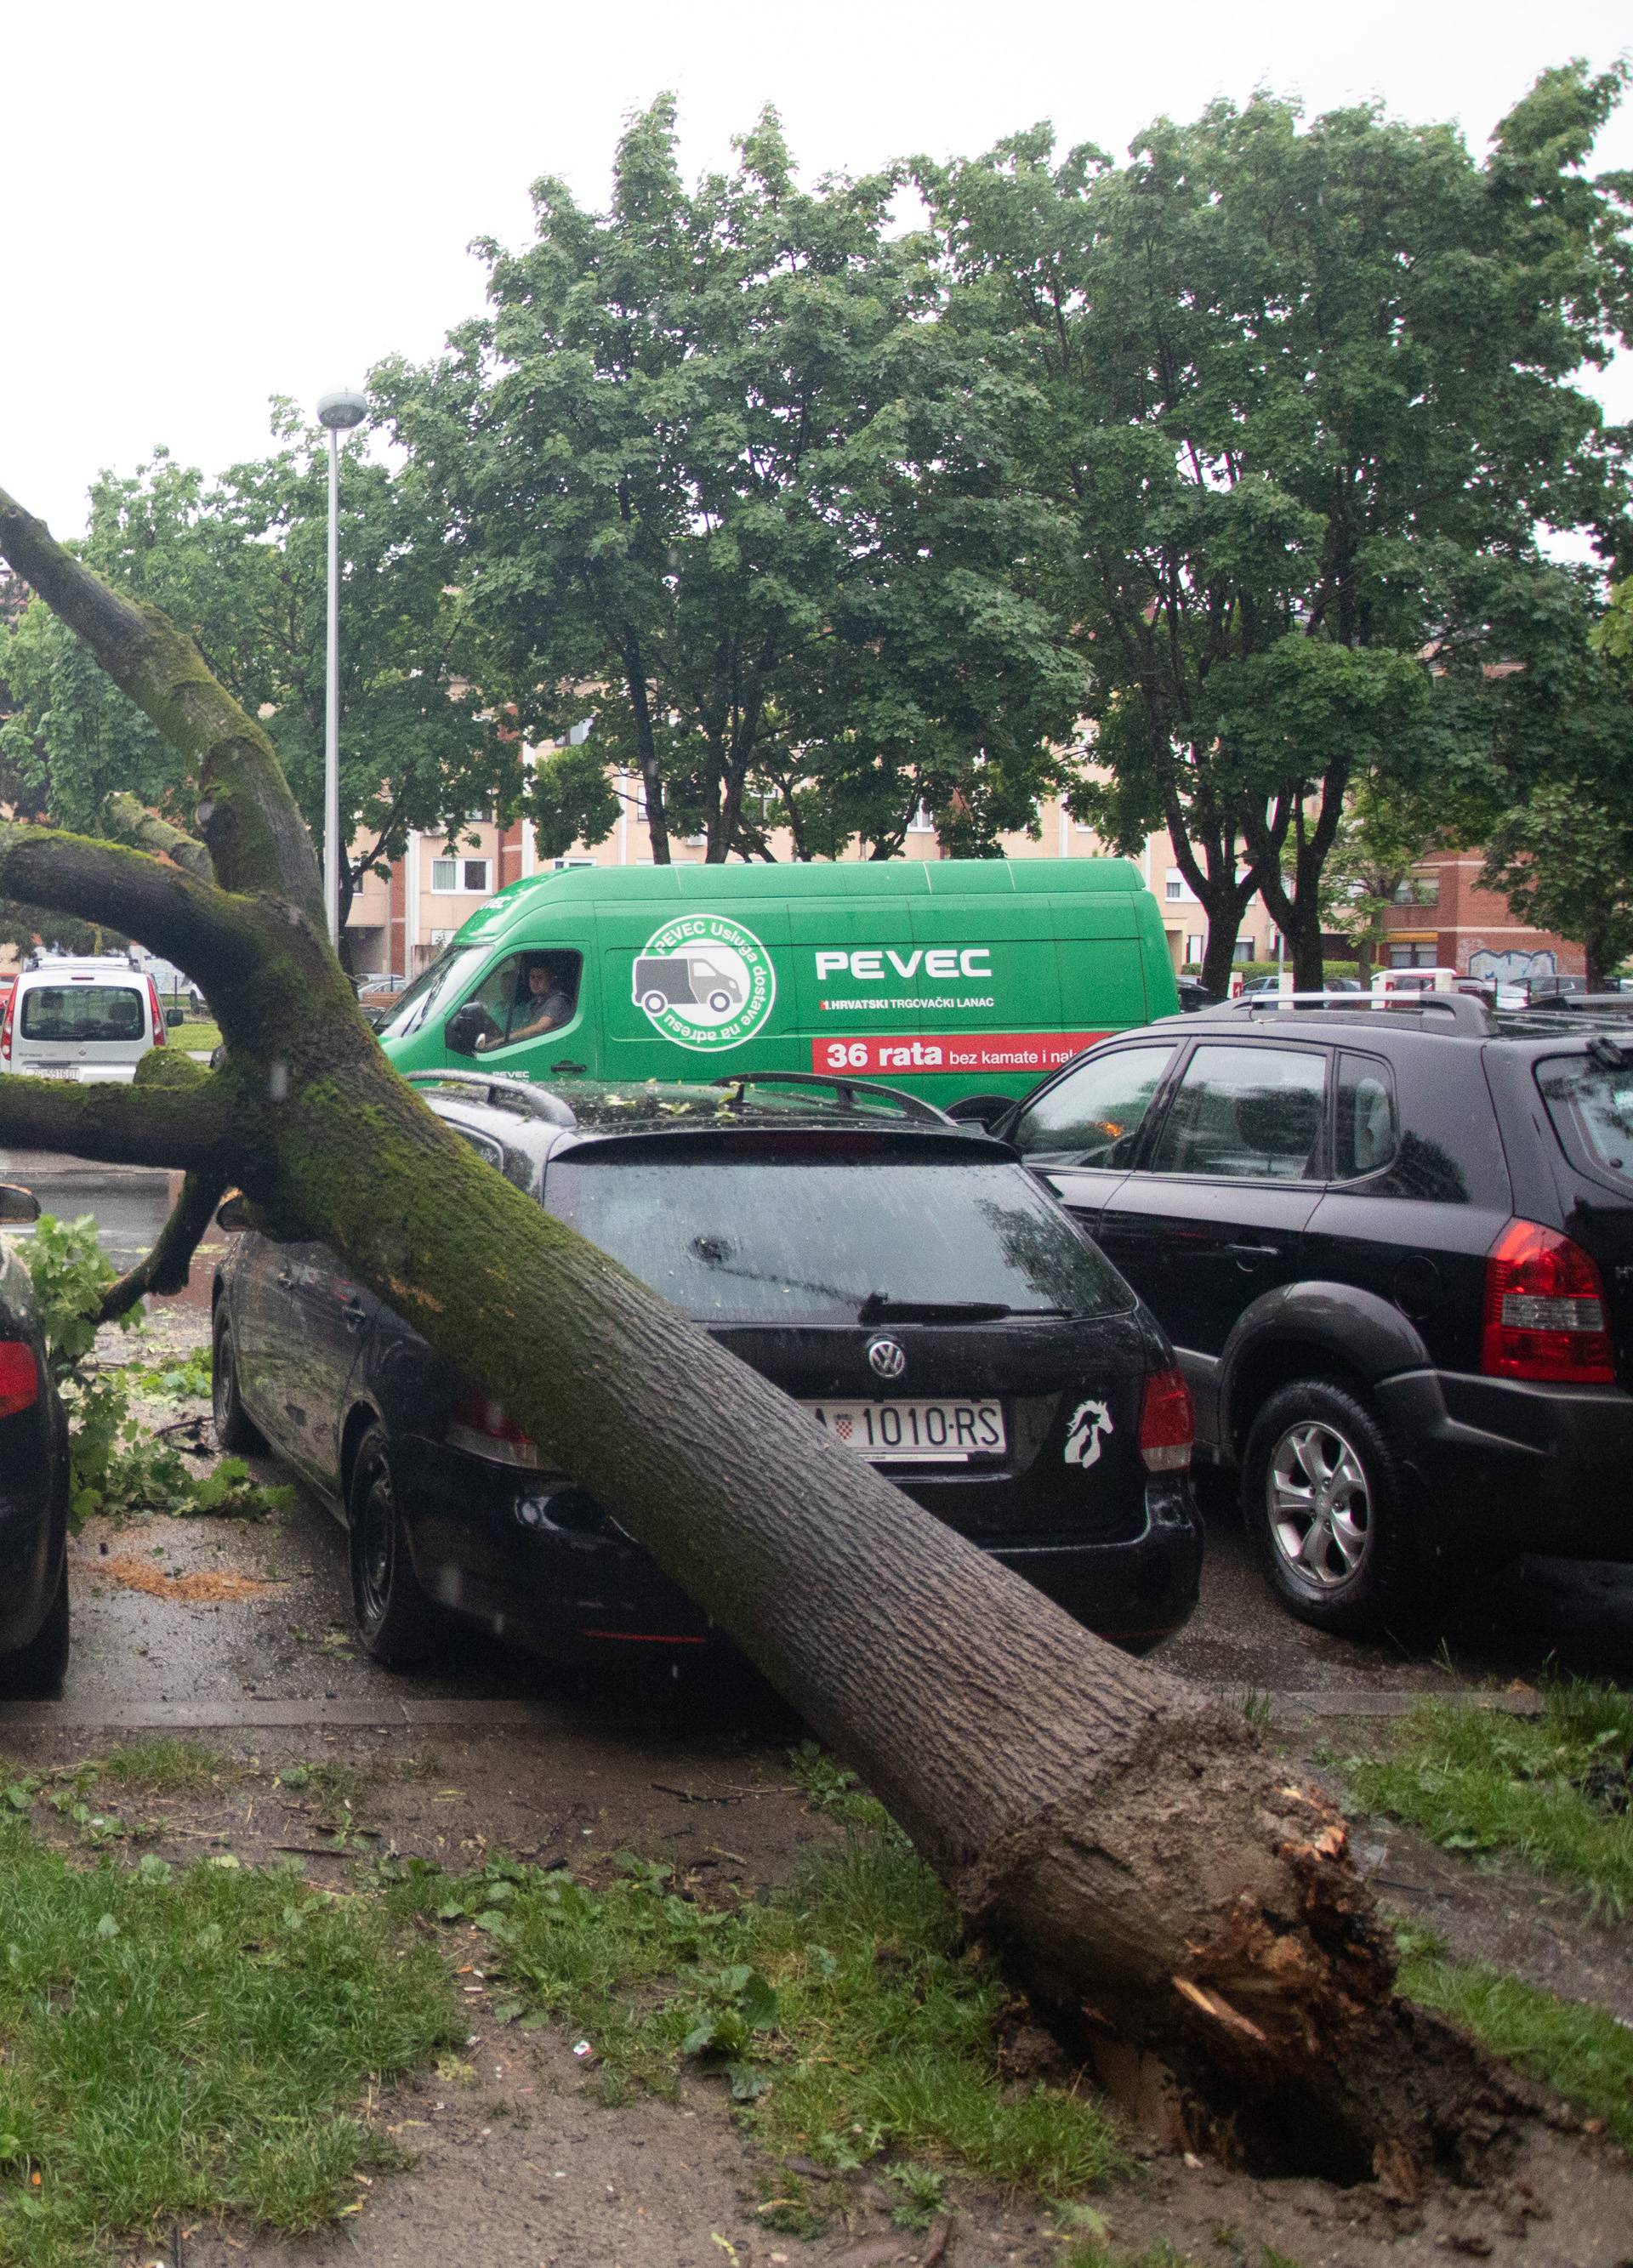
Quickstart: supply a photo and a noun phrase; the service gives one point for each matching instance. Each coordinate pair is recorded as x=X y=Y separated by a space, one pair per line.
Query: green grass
x=843 y=2014
x=194 y=1034
x=165 y=1766
x=183 y=2044
x=1582 y=2052
x=1554 y=1790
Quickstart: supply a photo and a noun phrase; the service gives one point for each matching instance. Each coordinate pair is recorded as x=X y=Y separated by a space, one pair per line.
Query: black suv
x=900 y=1276
x=1393 y=1246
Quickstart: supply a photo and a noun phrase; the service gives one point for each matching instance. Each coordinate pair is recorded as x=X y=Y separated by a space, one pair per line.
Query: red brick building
x=1453 y=924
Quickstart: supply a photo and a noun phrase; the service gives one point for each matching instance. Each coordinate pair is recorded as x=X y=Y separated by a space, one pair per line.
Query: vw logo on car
x=887 y=1358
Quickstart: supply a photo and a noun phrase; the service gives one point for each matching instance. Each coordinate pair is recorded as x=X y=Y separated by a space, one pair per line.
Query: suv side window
x=1254 y=1114
x=1366 y=1131
x=1093 y=1115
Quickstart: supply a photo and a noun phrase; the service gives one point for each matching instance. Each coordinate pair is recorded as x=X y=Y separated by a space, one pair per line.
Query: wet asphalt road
x=287 y=1638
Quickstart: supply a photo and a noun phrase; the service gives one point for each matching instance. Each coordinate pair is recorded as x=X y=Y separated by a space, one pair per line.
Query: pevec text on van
x=974 y=960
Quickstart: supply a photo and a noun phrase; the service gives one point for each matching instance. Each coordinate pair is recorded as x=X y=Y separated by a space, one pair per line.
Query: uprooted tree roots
x=1127 y=1841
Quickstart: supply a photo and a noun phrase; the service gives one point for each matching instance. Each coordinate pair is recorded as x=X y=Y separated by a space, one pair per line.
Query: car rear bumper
x=531 y=1557
x=1513 y=1467
x=33 y=1527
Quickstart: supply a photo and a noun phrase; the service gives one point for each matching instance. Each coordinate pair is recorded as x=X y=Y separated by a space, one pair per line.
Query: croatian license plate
x=914 y=1432
x=50 y=1071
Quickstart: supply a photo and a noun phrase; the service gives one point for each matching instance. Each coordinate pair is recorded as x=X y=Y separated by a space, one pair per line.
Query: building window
x=923 y=821
x=1195 y=947
x=1413 y=956
x=561 y=864
x=1174 y=886
x=449 y=876
x=1244 y=950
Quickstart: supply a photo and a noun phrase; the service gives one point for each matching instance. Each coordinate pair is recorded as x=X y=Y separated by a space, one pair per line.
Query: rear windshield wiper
x=878 y=1308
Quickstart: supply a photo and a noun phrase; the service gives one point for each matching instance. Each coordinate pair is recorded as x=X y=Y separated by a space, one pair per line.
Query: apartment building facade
x=1453 y=923
x=399 y=924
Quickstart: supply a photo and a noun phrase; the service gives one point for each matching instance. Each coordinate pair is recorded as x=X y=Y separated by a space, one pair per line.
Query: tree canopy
x=242 y=562
x=717 y=478
x=1281 y=383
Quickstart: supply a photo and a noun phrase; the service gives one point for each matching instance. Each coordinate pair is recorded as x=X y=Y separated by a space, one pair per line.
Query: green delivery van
x=950 y=978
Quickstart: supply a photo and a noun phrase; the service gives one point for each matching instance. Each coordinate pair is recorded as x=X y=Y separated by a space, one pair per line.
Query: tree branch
x=173 y=1115
x=257 y=838
x=167 y=1267
x=187 y=921
x=132 y=823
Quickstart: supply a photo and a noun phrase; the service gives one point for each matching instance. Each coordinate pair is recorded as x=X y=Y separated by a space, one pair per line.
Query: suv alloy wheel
x=399 y=1624
x=1323 y=1501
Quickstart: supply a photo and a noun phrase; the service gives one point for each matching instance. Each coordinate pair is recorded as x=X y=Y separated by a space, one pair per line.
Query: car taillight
x=5 y=1027
x=485 y=1429
x=158 y=1014
x=1167 y=1423
x=20 y=1377
x=1544 y=1310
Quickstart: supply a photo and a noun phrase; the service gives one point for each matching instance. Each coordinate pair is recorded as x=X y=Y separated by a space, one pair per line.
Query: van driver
x=540 y=1002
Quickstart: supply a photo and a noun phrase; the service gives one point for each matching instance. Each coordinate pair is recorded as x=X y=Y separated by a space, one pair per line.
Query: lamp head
x=342 y=409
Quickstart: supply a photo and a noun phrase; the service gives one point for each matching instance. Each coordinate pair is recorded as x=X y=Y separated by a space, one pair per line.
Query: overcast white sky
x=208 y=205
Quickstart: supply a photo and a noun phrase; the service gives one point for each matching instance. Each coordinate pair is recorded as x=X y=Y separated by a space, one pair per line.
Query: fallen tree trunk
x=1123 y=1837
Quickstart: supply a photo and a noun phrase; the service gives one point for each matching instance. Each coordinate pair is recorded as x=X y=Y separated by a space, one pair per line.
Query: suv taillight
x=20 y=1377
x=484 y=1428
x=158 y=1014
x=1544 y=1310
x=1167 y=1425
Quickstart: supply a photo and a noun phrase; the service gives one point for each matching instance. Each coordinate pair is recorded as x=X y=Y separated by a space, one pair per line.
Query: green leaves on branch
x=118 y=1466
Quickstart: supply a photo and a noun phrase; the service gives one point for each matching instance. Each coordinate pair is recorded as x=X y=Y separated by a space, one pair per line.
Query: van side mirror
x=464 y=1027
x=172 y=1018
x=18 y=1203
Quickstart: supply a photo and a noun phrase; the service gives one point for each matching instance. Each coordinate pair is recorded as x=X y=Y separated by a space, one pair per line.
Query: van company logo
x=705 y=982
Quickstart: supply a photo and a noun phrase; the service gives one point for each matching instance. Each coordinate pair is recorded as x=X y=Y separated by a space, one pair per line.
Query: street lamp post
x=338 y=412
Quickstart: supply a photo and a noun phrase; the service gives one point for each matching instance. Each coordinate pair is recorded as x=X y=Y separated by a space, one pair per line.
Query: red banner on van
x=880 y=1054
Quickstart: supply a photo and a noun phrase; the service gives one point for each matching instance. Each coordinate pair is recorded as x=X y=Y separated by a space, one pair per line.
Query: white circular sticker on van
x=705 y=982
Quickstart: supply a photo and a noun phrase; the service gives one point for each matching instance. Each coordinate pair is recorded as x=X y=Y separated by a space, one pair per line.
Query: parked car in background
x=33 y=1483
x=86 y=1019
x=1553 y=987
x=1393 y=1244
x=1194 y=994
x=900 y=1277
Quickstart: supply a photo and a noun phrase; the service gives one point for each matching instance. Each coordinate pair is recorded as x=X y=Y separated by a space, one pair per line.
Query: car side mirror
x=18 y=1203
x=987 y=1110
x=233 y=1212
x=464 y=1027
x=172 y=1018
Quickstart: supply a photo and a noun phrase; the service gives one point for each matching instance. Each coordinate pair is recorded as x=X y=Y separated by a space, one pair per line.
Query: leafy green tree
x=1281 y=383
x=1561 y=848
x=242 y=562
x=719 y=481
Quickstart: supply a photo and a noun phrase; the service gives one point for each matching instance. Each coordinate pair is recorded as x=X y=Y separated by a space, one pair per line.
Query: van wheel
x=36 y=1670
x=1326 y=1510
x=399 y=1624
x=237 y=1434
x=654 y=1002
x=720 y=1002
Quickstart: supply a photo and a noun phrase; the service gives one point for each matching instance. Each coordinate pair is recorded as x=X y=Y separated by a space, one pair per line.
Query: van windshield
x=442 y=986
x=83 y=1013
x=820 y=1241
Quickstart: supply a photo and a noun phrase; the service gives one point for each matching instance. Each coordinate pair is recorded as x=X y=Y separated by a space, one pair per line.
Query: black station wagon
x=901 y=1278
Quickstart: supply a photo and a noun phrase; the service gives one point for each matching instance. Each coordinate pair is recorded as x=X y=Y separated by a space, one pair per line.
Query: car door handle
x=355 y=1312
x=286 y=1277
x=1254 y=1251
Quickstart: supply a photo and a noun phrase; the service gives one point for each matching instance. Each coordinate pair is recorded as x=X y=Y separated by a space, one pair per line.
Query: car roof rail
x=914 y=1105
x=1469 y=1012
x=502 y=1093
x=1575 y=1004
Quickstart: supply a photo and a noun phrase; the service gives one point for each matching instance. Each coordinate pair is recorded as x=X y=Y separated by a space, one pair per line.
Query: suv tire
x=237 y=1434
x=399 y=1624
x=36 y=1670
x=1326 y=1510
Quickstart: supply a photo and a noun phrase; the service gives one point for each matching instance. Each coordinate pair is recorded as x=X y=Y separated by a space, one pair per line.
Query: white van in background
x=80 y=1020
